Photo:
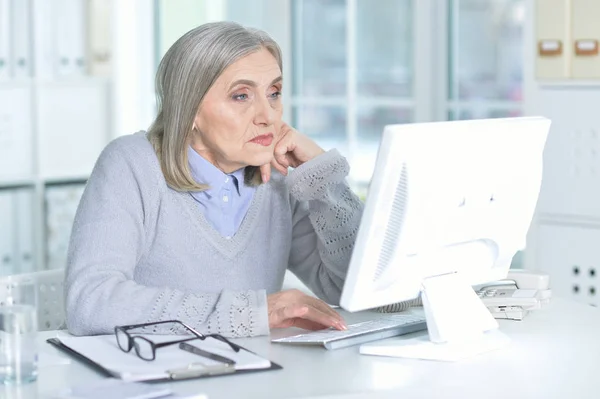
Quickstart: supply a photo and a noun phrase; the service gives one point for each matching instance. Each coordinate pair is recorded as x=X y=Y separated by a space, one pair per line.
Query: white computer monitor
x=447 y=200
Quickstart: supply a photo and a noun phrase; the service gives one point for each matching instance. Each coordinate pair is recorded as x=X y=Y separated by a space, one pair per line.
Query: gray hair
x=185 y=74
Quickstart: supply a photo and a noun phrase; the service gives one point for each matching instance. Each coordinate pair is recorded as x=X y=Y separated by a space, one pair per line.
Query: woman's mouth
x=264 y=140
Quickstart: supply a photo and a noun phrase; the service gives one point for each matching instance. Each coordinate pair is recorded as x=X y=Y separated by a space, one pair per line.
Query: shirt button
x=226 y=179
x=225 y=198
x=228 y=238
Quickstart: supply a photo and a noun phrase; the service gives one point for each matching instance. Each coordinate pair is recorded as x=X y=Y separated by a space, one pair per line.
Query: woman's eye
x=240 y=97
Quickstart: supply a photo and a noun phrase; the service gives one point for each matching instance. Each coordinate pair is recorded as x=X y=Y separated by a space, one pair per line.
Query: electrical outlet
x=567 y=253
x=585 y=287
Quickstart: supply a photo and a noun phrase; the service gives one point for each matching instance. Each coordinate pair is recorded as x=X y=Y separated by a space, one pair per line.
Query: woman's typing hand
x=291 y=150
x=293 y=308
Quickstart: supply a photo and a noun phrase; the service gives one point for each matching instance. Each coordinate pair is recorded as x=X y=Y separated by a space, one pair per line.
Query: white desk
x=555 y=353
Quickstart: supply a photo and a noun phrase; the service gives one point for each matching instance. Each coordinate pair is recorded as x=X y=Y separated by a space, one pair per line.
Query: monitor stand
x=458 y=323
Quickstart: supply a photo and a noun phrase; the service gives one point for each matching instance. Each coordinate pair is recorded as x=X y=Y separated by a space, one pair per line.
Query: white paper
x=114 y=389
x=104 y=351
x=422 y=348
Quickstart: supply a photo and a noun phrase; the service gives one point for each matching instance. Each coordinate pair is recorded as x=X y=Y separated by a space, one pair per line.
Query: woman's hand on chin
x=292 y=149
x=293 y=308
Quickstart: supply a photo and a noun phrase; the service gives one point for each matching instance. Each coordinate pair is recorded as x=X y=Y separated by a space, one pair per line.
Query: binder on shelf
x=70 y=20
x=61 y=205
x=99 y=51
x=585 y=63
x=44 y=32
x=7 y=233
x=552 y=36
x=171 y=363
x=24 y=230
x=21 y=38
x=64 y=111
x=5 y=41
x=16 y=133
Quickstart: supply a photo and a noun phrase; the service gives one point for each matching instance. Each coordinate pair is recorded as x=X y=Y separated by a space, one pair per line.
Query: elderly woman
x=198 y=219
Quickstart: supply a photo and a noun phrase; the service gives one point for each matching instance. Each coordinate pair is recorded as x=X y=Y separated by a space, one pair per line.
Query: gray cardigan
x=142 y=252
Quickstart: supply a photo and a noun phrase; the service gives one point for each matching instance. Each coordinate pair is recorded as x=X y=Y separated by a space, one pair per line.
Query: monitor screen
x=445 y=197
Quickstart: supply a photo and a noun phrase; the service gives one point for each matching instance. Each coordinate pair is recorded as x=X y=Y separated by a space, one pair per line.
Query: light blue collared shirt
x=227 y=200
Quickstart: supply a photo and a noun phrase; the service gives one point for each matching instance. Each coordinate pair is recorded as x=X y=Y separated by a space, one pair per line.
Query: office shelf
x=17 y=183
x=55 y=114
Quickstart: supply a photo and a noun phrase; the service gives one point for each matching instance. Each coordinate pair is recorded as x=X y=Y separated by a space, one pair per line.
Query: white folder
x=70 y=19
x=44 y=33
x=21 y=38
x=5 y=42
x=24 y=230
x=7 y=233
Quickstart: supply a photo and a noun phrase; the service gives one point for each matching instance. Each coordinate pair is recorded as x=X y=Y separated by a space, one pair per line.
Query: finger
x=325 y=308
x=307 y=324
x=302 y=298
x=283 y=160
x=315 y=315
x=284 y=145
x=265 y=172
x=282 y=169
x=284 y=317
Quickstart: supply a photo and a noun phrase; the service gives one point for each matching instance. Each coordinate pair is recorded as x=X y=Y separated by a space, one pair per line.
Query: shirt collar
x=239 y=179
x=205 y=172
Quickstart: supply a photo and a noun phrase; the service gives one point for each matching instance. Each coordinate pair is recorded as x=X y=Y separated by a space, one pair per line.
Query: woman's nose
x=265 y=113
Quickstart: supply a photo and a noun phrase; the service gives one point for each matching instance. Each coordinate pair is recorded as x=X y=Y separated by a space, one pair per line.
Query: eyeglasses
x=146 y=349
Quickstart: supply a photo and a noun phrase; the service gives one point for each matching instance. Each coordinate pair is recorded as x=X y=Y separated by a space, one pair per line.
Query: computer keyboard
x=359 y=333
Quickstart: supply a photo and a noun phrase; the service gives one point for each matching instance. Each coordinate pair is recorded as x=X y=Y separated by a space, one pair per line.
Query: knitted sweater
x=141 y=251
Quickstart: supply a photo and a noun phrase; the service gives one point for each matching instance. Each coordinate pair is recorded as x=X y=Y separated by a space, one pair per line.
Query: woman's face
x=239 y=118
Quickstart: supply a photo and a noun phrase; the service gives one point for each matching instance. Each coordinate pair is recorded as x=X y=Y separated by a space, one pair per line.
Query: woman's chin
x=260 y=159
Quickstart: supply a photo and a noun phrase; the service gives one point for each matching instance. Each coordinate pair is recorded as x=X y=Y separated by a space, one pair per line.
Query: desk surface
x=555 y=353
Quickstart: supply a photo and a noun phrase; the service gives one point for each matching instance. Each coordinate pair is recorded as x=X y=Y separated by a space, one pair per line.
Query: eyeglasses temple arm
x=233 y=346
x=163 y=344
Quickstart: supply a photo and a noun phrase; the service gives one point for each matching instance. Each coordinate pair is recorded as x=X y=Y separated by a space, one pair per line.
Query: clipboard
x=180 y=374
